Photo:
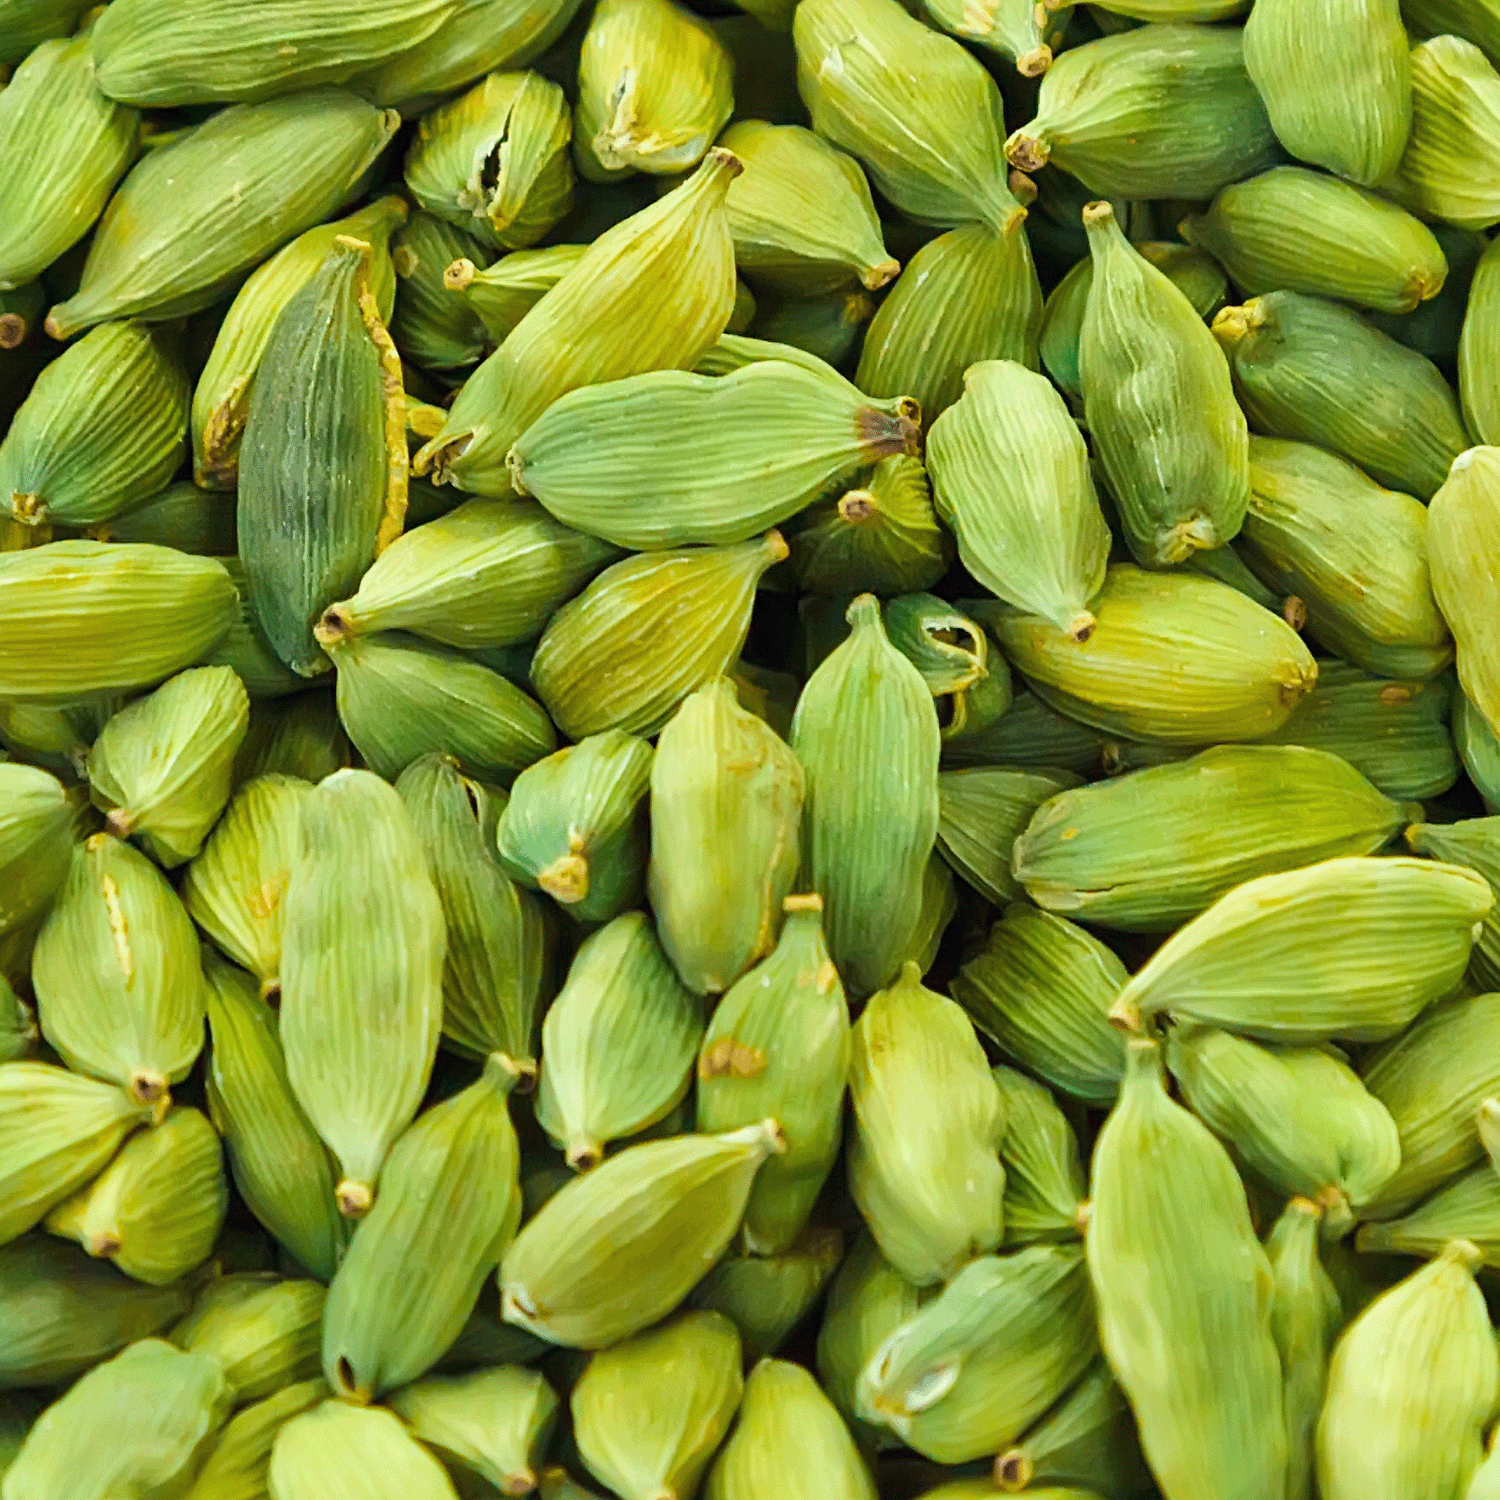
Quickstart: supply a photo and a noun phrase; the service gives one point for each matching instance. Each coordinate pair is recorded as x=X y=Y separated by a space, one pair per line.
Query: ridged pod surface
x=261 y=1327
x=1463 y=524
x=338 y=1449
x=1474 y=843
x=767 y=1297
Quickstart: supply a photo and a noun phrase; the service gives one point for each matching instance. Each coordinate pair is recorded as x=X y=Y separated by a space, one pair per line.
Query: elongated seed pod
x=1462 y=521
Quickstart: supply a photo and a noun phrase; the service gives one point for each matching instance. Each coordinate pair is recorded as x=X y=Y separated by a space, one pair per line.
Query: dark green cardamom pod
x=322 y=486
x=576 y=826
x=450 y=1197
x=496 y=973
x=297 y=736
x=192 y=520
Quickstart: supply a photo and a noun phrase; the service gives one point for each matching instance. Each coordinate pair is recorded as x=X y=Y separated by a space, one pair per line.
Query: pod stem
x=355 y=1199
x=1013 y=1471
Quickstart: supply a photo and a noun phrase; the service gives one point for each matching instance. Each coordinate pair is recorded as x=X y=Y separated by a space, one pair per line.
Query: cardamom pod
x=36 y=842
x=298 y=736
x=1467 y=1208
x=1462 y=519
x=500 y=295
x=1044 y=1186
x=1022 y=31
x=338 y=1451
x=432 y=327
x=193 y=520
x=982 y=811
x=1475 y=844
x=263 y=1329
x=238 y=1468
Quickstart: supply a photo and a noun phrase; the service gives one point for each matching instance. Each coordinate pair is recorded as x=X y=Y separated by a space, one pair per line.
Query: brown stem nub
x=857 y=506
x=1081 y=627
x=1013 y=1471
x=148 y=1088
x=12 y=330
x=1028 y=152
x=1034 y=63
x=876 y=276
x=355 y=1199
x=334 y=628
x=1125 y=1015
x=566 y=879
x=459 y=274
x=119 y=822
x=584 y=1156
x=1294 y=612
x=809 y=901
x=104 y=1246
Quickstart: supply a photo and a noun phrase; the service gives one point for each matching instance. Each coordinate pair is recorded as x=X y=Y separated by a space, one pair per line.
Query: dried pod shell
x=361 y=974
x=263 y=1329
x=118 y=985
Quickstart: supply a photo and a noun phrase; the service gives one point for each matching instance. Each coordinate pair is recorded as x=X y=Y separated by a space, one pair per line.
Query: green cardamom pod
x=323 y=484
x=500 y=295
x=1317 y=372
x=192 y=520
x=721 y=780
x=918 y=110
x=724 y=457
x=1146 y=851
x=618 y=1042
x=1477 y=387
x=494 y=161
x=1184 y=1295
x=617 y=1249
x=36 y=842
x=1479 y=750
x=968 y=296
x=67 y=146
x=1411 y=1384
x=221 y=398
x=576 y=825
x=118 y=985
x=101 y=431
x=264 y=1329
x=238 y=1468
x=1475 y=844
x=982 y=813
x=432 y=327
x=779 y=1046
x=450 y=1196
x=280 y=1166
x=1466 y=1208
x=1463 y=518
x=18 y=1031
x=245 y=648
x=1044 y=1185
x=257 y=175
x=649 y=1412
x=1024 y=32
x=599 y=664
x=1353 y=947
x=298 y=736
x=339 y=1451
x=1158 y=111
x=361 y=974
x=654 y=292
x=1043 y=988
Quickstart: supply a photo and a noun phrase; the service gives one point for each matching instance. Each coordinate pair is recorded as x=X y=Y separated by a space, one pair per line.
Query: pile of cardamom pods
x=736 y=761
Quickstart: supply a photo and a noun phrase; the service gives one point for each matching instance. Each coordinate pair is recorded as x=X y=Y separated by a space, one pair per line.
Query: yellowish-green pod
x=768 y=1296
x=1011 y=477
x=644 y=634
x=1353 y=553
x=1463 y=524
x=435 y=329
x=490 y=573
x=161 y=767
x=1433 y=1081
x=881 y=535
x=1024 y=32
x=493 y=1423
x=1451 y=168
x=923 y=1162
x=918 y=110
x=1466 y=1208
x=258 y=173
x=59 y=1132
x=1305 y=1317
x=734 y=351
x=139 y=1424
x=263 y=1329
x=66 y=145
x=974 y=1367
x=450 y=1197
x=1412 y=1383
x=401 y=697
x=1184 y=1292
x=323 y=490
x=1479 y=750
x=1161 y=111
x=654 y=89
x=1169 y=433
x=1291 y=229
x=649 y=1413
x=222 y=396
x=969 y=295
x=18 y=1031
x=1173 y=10
x=1336 y=77
x=722 y=457
x=1312 y=370
x=498 y=965
x=238 y=1467
x=339 y=1451
x=157 y=1208
x=789 y=1443
x=801 y=212
x=982 y=810
x=576 y=826
x=1042 y=988
x=1089 y=1438
x=654 y=292
x=778 y=1046
x=1353 y=947
x=36 y=842
x=1193 y=272
x=495 y=160
x=1474 y=843
x=1145 y=851
x=1478 y=386
x=1175 y=658
x=278 y=1163
x=1393 y=733
x=101 y=431
x=617 y=1249
x=618 y=1043
x=1044 y=1186
x=25 y=24
x=1297 y=1116
x=233 y=890
x=118 y=986
x=500 y=295
x=722 y=780
x=363 y=942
